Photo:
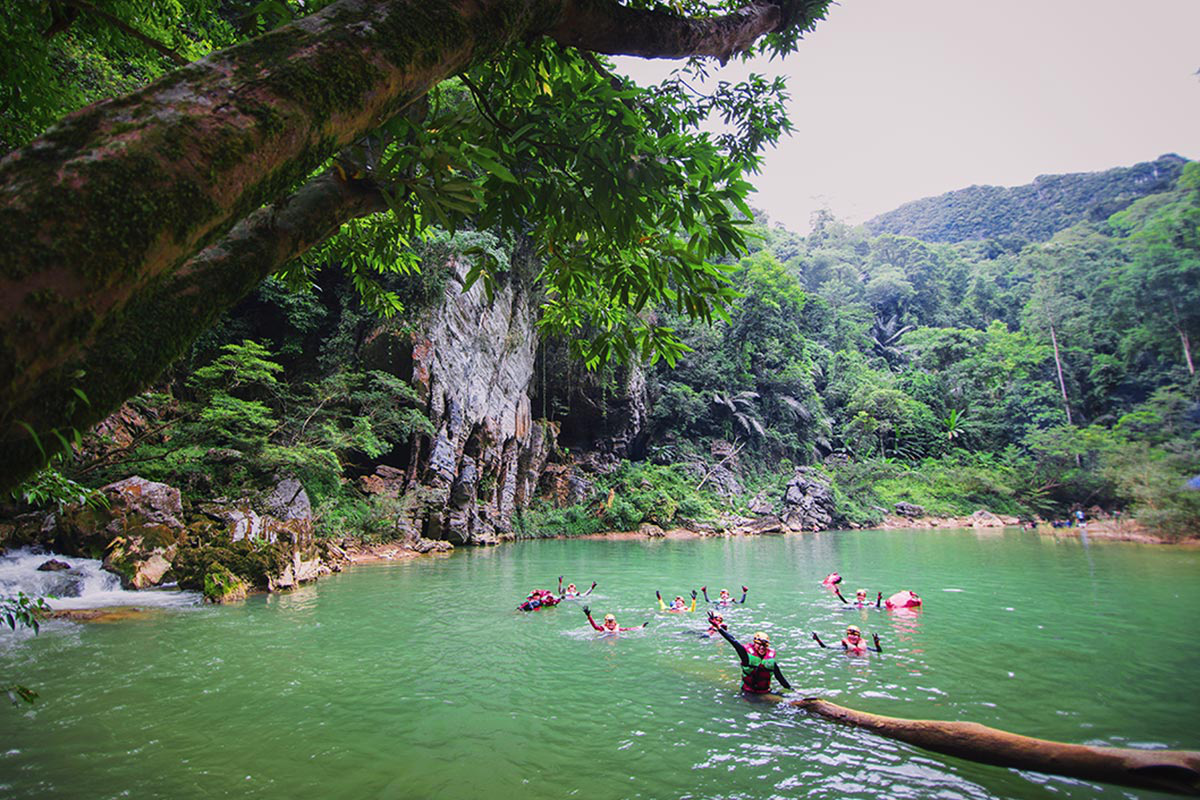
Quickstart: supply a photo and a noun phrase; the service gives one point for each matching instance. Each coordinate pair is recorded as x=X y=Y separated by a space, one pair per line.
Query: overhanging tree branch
x=102 y=218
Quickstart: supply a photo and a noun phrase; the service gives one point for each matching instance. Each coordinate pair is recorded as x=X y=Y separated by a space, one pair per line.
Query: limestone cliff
x=471 y=359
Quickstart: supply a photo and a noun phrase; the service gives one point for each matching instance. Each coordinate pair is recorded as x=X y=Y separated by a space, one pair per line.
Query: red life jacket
x=756 y=675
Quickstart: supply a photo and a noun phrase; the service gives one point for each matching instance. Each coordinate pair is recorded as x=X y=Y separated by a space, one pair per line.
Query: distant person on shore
x=610 y=627
x=860 y=598
x=571 y=592
x=1080 y=517
x=758 y=662
x=853 y=643
x=678 y=605
x=724 y=599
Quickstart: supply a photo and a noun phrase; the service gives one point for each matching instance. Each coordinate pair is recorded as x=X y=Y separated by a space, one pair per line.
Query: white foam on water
x=84 y=585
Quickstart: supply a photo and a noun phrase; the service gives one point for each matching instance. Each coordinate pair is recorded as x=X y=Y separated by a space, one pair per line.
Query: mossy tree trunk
x=102 y=218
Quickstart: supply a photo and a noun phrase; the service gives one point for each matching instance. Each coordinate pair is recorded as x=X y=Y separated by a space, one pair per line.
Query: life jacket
x=905 y=599
x=857 y=649
x=756 y=673
x=531 y=604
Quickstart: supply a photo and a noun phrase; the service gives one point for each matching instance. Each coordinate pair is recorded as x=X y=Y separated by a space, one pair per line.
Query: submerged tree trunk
x=1175 y=771
x=101 y=218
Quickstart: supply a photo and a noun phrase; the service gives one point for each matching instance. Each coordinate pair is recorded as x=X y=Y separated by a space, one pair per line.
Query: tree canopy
x=130 y=225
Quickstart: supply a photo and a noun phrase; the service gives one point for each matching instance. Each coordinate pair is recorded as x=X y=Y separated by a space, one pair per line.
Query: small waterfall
x=84 y=585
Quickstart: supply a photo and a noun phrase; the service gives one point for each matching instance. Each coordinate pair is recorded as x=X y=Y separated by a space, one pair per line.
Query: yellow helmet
x=762 y=637
x=852 y=629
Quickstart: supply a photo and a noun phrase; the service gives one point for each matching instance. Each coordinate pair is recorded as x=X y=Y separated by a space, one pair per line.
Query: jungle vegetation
x=1027 y=371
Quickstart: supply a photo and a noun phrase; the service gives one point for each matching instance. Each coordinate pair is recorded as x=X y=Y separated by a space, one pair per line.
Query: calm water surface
x=418 y=680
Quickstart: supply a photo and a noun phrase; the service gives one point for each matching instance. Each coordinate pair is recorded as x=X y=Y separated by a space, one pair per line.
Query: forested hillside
x=1030 y=213
x=1026 y=380
x=484 y=351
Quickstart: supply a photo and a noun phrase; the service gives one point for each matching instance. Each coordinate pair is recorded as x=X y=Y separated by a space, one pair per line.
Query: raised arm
x=560 y=577
x=878 y=648
x=589 y=591
x=587 y=612
x=838 y=592
x=705 y=590
x=661 y=605
x=878 y=599
x=817 y=639
x=741 y=650
x=745 y=591
x=693 y=608
x=779 y=677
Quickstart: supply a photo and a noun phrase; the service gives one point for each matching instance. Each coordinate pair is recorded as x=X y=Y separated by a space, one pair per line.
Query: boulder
x=136 y=535
x=808 y=501
x=288 y=501
x=910 y=510
x=762 y=504
x=53 y=565
x=762 y=525
x=985 y=519
x=222 y=586
x=651 y=531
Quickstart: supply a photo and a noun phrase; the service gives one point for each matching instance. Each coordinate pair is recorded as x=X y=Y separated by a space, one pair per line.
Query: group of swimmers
x=758 y=661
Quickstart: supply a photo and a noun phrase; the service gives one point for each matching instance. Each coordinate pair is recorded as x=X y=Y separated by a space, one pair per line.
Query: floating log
x=1176 y=771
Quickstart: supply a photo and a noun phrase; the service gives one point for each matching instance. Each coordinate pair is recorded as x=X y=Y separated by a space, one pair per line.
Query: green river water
x=419 y=680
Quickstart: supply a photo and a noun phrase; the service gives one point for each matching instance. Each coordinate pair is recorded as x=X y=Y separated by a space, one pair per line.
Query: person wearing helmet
x=725 y=600
x=678 y=605
x=860 y=598
x=758 y=661
x=538 y=599
x=610 y=627
x=853 y=643
x=571 y=593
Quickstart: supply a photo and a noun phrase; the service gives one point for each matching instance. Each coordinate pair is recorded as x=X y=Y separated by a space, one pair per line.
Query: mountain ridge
x=1034 y=211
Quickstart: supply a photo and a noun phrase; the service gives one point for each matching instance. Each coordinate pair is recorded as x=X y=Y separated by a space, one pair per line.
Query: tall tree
x=131 y=224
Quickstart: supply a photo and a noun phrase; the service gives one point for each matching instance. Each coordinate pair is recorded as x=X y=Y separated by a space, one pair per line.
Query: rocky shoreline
x=226 y=550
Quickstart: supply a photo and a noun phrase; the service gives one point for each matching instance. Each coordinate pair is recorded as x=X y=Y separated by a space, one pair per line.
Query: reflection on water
x=421 y=680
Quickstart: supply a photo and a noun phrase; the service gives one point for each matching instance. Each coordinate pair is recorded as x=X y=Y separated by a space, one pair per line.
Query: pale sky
x=894 y=100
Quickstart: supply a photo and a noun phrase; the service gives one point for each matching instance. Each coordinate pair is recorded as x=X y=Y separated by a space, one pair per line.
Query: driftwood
x=1175 y=771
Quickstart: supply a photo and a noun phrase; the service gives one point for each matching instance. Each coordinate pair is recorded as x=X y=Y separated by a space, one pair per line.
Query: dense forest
x=1026 y=381
x=1027 y=351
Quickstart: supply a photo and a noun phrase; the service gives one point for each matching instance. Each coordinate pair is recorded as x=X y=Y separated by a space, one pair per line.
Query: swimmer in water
x=715 y=623
x=853 y=643
x=831 y=581
x=758 y=662
x=571 y=593
x=860 y=598
x=610 y=627
x=724 y=600
x=905 y=599
x=677 y=605
x=539 y=598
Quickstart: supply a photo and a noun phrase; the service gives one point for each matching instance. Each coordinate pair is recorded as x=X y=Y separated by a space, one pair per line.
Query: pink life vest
x=904 y=599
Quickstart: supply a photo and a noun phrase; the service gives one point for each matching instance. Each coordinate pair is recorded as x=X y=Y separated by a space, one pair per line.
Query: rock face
x=472 y=363
x=137 y=535
x=910 y=510
x=808 y=501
